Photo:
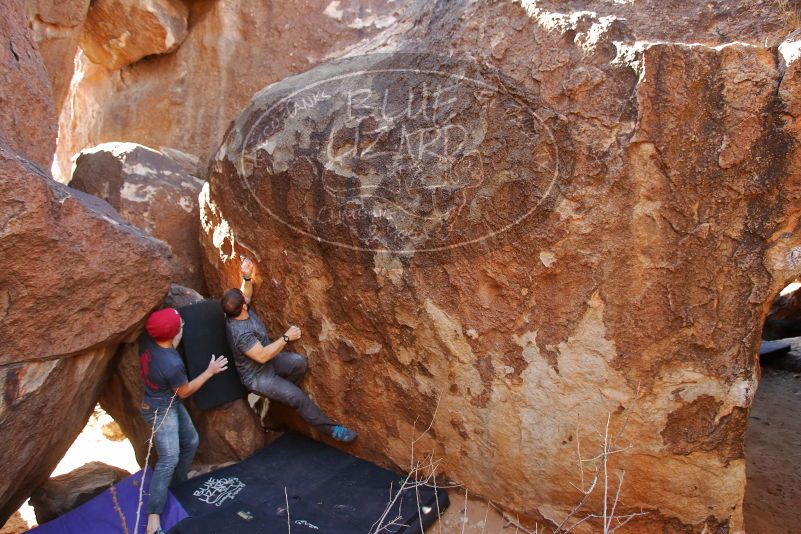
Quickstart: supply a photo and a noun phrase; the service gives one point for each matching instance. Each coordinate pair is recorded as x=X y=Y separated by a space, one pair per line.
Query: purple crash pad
x=98 y=515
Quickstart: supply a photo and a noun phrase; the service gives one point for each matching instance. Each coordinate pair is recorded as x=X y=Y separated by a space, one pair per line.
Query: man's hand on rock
x=247 y=268
x=217 y=364
x=293 y=333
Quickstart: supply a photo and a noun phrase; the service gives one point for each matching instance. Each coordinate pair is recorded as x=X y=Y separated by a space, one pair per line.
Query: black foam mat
x=772 y=348
x=204 y=335
x=328 y=492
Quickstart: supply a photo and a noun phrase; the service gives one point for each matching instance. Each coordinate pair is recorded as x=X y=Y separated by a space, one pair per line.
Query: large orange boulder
x=46 y=405
x=235 y=48
x=551 y=241
x=77 y=276
x=78 y=280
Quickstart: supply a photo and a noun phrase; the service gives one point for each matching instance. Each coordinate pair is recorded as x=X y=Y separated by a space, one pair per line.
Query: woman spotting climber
x=164 y=378
x=264 y=368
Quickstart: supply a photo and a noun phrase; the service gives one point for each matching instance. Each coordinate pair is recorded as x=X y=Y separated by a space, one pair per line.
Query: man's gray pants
x=277 y=381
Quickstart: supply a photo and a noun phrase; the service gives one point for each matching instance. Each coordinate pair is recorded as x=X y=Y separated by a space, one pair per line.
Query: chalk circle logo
x=399 y=153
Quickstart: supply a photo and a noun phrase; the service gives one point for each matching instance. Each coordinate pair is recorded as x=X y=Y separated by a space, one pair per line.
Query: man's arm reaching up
x=247 y=270
x=262 y=354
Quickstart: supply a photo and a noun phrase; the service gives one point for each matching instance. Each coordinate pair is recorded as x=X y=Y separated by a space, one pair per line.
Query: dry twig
x=288 y=524
x=610 y=521
x=147 y=459
x=118 y=509
x=421 y=473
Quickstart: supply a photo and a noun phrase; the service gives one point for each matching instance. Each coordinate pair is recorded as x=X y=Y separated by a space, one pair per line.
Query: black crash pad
x=773 y=348
x=328 y=491
x=204 y=335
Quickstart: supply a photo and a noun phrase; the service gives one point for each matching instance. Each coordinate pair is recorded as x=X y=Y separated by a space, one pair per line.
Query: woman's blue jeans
x=176 y=442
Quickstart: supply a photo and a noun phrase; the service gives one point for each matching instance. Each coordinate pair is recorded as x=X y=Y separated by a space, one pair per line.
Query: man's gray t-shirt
x=242 y=335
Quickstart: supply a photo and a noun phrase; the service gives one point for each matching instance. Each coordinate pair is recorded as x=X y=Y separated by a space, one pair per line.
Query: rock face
x=27 y=114
x=62 y=391
x=557 y=230
x=181 y=296
x=76 y=281
x=233 y=49
x=784 y=317
x=786 y=307
x=229 y=433
x=57 y=343
x=61 y=494
x=117 y=33
x=759 y=22
x=122 y=396
x=54 y=241
x=152 y=192
x=186 y=99
x=56 y=27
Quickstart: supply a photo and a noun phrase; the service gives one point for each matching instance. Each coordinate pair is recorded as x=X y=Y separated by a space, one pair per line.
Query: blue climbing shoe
x=341 y=433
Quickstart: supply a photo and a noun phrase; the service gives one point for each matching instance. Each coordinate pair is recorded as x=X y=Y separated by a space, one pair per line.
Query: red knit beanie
x=163 y=325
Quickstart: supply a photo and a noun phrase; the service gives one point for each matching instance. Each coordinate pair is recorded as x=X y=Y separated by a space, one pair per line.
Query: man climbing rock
x=164 y=379
x=264 y=367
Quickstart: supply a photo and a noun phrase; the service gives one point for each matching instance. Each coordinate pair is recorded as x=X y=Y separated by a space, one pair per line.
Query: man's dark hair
x=232 y=302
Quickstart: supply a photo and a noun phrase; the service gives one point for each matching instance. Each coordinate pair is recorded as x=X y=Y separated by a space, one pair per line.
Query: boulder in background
x=61 y=494
x=117 y=33
x=151 y=191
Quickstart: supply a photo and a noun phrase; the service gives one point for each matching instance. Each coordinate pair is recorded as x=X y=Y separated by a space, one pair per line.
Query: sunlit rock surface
x=541 y=224
x=186 y=98
x=117 y=33
x=56 y=27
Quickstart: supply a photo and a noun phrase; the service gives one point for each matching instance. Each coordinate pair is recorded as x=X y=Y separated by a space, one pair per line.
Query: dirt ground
x=773 y=449
x=481 y=518
x=15 y=525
